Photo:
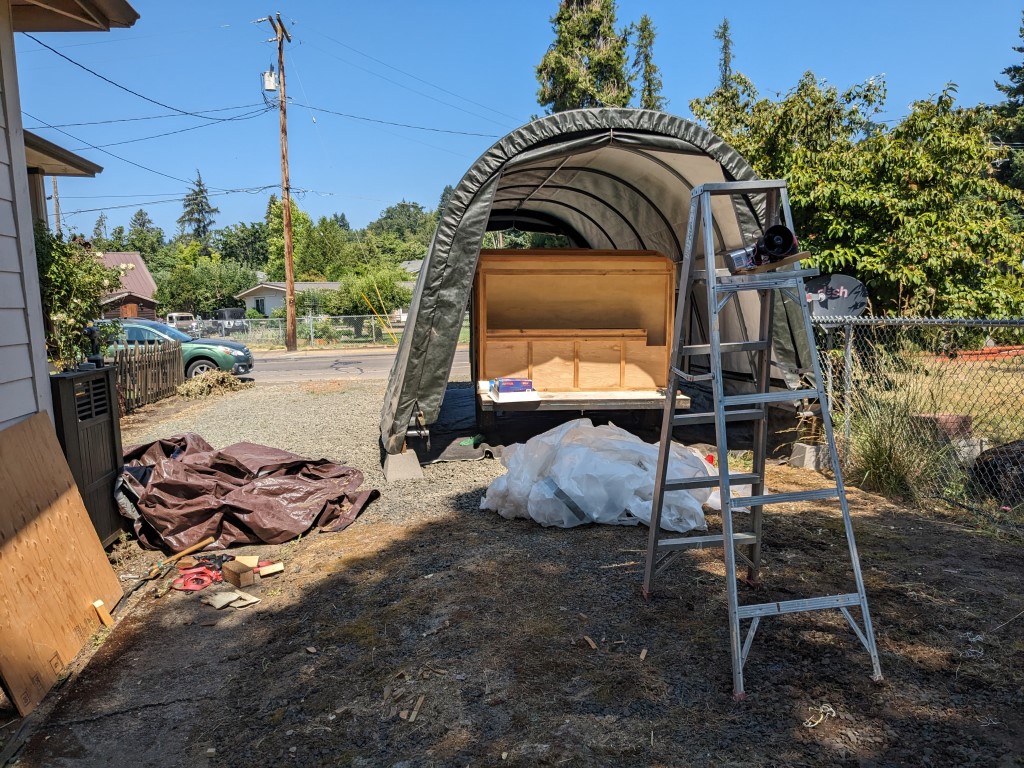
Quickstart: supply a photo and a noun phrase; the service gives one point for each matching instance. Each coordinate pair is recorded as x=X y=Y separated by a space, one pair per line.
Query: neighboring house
x=24 y=378
x=266 y=297
x=135 y=296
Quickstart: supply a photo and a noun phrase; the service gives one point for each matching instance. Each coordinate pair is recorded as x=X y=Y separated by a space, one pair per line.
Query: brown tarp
x=243 y=494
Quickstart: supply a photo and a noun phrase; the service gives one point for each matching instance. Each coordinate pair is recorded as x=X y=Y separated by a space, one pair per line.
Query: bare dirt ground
x=479 y=626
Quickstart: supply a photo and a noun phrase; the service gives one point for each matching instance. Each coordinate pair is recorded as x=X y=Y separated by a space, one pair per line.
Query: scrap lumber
x=52 y=565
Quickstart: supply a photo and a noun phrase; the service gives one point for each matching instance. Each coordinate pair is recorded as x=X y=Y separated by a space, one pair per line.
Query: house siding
x=24 y=385
x=271 y=301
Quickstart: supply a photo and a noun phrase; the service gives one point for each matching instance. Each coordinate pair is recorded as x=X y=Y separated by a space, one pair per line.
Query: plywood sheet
x=553 y=365
x=600 y=364
x=510 y=359
x=52 y=566
x=646 y=367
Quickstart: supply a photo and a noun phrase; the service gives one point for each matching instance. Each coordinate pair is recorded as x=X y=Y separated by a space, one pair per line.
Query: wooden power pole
x=286 y=198
x=56 y=207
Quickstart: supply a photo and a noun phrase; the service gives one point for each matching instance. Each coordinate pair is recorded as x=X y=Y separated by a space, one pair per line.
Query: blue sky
x=460 y=66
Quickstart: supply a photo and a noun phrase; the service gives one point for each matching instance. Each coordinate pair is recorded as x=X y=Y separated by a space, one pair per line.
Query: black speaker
x=776 y=243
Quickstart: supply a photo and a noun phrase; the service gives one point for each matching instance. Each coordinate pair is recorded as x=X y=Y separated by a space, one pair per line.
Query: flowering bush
x=71 y=281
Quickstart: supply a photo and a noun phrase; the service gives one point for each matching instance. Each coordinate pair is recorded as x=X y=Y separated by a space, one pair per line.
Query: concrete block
x=806 y=456
x=402 y=466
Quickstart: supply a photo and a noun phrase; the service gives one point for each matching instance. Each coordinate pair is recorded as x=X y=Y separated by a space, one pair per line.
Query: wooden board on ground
x=52 y=565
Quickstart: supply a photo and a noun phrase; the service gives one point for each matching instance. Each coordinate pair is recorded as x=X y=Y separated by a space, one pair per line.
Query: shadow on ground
x=483 y=627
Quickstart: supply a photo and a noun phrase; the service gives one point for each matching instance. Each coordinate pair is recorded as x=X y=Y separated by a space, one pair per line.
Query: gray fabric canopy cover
x=612 y=179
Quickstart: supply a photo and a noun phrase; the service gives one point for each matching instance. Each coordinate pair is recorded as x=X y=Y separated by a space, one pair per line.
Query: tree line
x=202 y=268
x=927 y=210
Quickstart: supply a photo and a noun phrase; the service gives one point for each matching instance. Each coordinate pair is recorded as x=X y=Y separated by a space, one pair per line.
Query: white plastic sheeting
x=578 y=473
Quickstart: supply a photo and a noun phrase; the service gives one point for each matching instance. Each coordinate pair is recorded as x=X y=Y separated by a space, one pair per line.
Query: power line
x=246 y=116
x=406 y=87
x=107 y=152
x=149 y=117
x=420 y=79
x=122 y=87
x=180 y=198
x=398 y=125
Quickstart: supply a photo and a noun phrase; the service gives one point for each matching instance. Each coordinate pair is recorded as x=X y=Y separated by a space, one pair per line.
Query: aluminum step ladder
x=723 y=288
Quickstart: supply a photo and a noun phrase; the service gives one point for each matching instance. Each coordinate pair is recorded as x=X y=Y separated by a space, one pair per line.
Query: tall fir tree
x=196 y=220
x=723 y=36
x=587 y=64
x=1011 y=120
x=645 y=68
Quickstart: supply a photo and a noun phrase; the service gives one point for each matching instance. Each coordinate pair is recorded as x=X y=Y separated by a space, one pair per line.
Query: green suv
x=200 y=355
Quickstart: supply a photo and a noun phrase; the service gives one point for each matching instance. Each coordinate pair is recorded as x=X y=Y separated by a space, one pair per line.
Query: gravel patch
x=339 y=421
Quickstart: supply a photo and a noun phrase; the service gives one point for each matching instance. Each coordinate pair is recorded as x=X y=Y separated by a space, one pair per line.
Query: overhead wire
x=245 y=116
x=397 y=125
x=406 y=87
x=136 y=119
x=419 y=79
x=124 y=88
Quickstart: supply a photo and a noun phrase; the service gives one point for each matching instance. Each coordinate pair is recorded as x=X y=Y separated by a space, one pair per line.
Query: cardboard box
x=238 y=574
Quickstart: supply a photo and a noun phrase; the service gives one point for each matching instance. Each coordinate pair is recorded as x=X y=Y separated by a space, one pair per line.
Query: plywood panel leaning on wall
x=52 y=565
x=574 y=320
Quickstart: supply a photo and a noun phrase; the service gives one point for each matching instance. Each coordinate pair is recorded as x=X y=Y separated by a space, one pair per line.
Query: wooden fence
x=147 y=373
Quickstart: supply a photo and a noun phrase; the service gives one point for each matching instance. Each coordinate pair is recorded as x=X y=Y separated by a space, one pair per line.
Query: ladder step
x=756 y=398
x=725 y=347
x=783 y=498
x=737 y=187
x=742 y=414
x=700 y=542
x=798 y=606
x=764 y=282
x=711 y=481
x=689 y=376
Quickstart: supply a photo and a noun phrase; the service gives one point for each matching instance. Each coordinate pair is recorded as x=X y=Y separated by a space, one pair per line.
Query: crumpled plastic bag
x=578 y=473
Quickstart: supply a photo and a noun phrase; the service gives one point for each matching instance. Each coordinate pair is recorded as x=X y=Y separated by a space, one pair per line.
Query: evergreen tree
x=196 y=220
x=645 y=68
x=1010 y=129
x=145 y=237
x=725 y=59
x=586 y=65
x=342 y=221
x=446 y=195
x=99 y=232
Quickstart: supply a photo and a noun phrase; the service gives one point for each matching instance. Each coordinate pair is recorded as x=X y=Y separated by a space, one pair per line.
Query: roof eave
x=72 y=15
x=54 y=160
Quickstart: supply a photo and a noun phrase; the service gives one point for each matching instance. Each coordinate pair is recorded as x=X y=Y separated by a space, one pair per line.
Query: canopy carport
x=610 y=179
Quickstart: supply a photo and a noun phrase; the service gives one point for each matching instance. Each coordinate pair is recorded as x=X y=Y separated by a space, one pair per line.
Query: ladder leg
x=718 y=391
x=826 y=420
x=658 y=499
x=762 y=375
x=671 y=387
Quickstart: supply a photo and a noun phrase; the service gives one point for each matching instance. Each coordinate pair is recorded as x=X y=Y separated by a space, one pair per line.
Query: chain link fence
x=326 y=332
x=930 y=408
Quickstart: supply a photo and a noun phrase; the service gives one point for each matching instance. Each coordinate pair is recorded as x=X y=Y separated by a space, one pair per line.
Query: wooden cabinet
x=574 y=320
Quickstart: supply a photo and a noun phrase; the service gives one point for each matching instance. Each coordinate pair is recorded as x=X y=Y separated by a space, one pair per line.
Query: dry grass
x=212 y=383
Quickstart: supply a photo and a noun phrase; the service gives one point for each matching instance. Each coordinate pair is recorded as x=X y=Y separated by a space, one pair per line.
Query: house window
x=261 y=306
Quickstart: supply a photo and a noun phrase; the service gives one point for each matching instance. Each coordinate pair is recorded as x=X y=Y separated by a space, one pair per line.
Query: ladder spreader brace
x=722 y=288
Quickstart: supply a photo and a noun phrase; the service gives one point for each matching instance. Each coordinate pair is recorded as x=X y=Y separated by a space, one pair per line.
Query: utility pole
x=56 y=207
x=286 y=200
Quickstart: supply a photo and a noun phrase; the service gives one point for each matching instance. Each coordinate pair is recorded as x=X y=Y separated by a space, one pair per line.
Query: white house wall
x=271 y=301
x=24 y=382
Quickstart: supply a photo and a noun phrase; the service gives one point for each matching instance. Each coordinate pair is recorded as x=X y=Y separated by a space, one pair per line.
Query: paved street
x=280 y=367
